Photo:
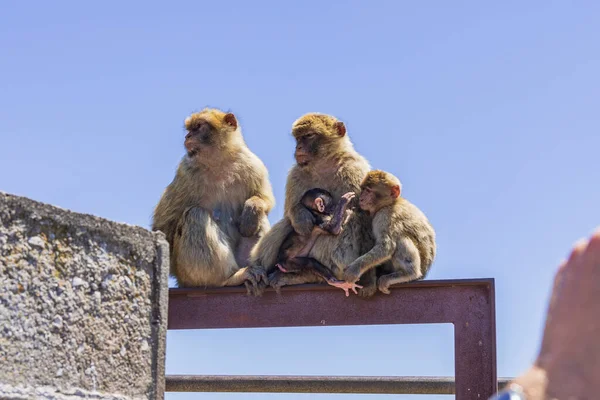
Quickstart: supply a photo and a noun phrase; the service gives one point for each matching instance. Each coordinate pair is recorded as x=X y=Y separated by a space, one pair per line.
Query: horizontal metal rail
x=468 y=304
x=313 y=384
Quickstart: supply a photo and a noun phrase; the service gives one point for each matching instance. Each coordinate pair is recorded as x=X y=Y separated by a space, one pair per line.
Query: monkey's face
x=378 y=189
x=367 y=199
x=315 y=142
x=373 y=197
x=307 y=147
x=208 y=132
x=200 y=138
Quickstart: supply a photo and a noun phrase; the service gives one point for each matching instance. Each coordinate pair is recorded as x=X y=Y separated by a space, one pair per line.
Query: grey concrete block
x=83 y=305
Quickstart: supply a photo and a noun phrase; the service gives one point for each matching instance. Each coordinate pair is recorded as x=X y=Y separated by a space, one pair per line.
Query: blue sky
x=487 y=112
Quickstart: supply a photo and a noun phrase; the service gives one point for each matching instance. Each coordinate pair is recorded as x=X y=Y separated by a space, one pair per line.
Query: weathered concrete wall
x=83 y=305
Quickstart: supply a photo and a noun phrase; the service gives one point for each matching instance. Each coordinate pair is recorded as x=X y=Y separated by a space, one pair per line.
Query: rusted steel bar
x=313 y=384
x=468 y=304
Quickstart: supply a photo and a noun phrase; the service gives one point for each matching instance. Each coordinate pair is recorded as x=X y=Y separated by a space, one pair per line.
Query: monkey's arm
x=310 y=242
x=380 y=253
x=301 y=219
x=334 y=224
x=167 y=212
x=259 y=204
x=255 y=208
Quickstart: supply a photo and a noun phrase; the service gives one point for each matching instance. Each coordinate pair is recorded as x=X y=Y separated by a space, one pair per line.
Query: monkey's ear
x=230 y=120
x=395 y=191
x=319 y=204
x=341 y=128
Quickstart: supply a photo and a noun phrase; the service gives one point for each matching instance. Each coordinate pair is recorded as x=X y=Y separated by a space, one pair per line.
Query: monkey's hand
x=352 y=273
x=250 y=219
x=346 y=198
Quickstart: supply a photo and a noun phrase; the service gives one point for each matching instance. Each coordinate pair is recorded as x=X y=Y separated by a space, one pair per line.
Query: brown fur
x=216 y=207
x=335 y=166
x=404 y=237
x=380 y=180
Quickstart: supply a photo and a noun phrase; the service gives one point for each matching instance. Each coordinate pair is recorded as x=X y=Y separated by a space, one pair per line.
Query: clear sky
x=488 y=113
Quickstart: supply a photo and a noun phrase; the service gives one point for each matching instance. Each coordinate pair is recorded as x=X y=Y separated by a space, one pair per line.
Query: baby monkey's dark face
x=318 y=202
x=200 y=137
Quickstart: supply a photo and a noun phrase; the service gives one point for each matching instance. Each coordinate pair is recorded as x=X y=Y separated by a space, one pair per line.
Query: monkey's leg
x=277 y=279
x=407 y=265
x=238 y=278
x=300 y=264
x=379 y=254
x=201 y=251
x=304 y=251
x=264 y=254
x=243 y=249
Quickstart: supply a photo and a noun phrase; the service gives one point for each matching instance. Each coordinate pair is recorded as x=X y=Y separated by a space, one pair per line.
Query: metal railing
x=467 y=304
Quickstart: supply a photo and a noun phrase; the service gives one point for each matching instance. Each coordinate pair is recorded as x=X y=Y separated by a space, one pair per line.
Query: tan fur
x=404 y=237
x=228 y=178
x=378 y=178
x=338 y=169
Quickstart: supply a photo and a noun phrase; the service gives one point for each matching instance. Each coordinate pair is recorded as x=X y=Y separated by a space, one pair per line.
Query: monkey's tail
x=267 y=249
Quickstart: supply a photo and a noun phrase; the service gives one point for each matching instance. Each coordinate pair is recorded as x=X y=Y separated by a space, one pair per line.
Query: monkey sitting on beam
x=216 y=207
x=329 y=219
x=325 y=158
x=404 y=238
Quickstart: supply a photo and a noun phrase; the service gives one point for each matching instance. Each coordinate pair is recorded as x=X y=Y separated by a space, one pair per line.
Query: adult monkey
x=216 y=207
x=325 y=158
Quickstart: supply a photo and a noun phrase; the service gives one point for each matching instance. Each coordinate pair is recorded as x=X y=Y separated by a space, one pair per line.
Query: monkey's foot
x=368 y=290
x=256 y=280
x=383 y=285
x=281 y=267
x=345 y=286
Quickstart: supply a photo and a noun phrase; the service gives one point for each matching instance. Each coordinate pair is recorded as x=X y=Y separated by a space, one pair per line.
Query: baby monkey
x=329 y=219
x=404 y=238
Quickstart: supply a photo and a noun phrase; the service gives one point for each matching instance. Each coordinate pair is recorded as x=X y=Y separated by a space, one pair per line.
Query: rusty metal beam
x=468 y=304
x=313 y=384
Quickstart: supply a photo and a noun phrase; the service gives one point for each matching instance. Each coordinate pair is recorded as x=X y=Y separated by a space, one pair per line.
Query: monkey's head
x=317 y=200
x=210 y=131
x=378 y=189
x=318 y=136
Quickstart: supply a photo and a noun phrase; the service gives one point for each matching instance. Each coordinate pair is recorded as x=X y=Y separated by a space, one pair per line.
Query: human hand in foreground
x=568 y=365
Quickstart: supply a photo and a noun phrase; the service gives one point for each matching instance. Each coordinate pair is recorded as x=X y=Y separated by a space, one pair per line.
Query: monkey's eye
x=309 y=136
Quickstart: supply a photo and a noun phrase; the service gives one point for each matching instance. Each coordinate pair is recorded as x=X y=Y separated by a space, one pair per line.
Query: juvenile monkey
x=325 y=158
x=404 y=238
x=329 y=219
x=216 y=207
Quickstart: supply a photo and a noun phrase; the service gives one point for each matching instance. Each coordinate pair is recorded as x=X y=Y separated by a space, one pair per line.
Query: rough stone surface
x=83 y=305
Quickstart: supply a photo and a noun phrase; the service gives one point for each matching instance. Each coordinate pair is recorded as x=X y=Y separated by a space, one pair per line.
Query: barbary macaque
x=404 y=237
x=329 y=219
x=216 y=207
x=326 y=159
